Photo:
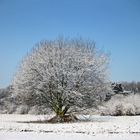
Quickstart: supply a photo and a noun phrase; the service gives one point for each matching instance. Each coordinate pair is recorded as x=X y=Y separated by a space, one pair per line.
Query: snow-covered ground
x=12 y=127
x=67 y=136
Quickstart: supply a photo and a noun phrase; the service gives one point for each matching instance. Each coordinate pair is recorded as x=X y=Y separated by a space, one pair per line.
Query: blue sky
x=113 y=24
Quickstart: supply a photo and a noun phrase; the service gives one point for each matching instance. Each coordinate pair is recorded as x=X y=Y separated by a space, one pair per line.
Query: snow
x=13 y=127
x=52 y=136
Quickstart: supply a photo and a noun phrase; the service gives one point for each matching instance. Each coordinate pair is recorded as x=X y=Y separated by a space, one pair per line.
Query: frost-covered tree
x=65 y=75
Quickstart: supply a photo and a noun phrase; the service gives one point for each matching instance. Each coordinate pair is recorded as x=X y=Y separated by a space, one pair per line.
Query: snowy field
x=12 y=127
x=67 y=136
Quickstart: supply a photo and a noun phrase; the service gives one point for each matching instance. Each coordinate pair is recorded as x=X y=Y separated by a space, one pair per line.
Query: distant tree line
x=131 y=86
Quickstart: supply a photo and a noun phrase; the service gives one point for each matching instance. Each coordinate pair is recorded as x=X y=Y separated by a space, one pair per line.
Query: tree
x=66 y=75
x=132 y=86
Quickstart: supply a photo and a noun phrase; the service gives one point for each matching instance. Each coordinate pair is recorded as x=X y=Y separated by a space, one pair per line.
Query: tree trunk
x=63 y=119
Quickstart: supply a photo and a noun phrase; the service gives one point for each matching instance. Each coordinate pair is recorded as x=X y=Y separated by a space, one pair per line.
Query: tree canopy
x=64 y=74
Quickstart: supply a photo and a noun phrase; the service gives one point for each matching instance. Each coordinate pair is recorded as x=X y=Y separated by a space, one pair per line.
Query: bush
x=122 y=105
x=37 y=110
x=22 y=109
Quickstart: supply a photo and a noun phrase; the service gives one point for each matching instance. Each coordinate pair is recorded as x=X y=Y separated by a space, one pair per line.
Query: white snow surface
x=13 y=127
x=62 y=136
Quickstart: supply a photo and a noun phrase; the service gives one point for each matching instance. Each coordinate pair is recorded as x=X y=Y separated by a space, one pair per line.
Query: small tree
x=64 y=75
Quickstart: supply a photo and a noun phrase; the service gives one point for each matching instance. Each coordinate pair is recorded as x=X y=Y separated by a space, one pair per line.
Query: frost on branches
x=64 y=75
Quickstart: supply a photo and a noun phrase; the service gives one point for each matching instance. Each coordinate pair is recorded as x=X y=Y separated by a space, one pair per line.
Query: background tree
x=66 y=75
x=132 y=86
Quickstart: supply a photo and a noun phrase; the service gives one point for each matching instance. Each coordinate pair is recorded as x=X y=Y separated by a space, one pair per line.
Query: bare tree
x=65 y=75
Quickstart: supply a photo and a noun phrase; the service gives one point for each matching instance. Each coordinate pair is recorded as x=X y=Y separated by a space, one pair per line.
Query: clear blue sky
x=113 y=24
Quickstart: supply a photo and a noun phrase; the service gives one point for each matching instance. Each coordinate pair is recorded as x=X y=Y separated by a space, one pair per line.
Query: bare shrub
x=122 y=105
x=22 y=109
x=37 y=110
